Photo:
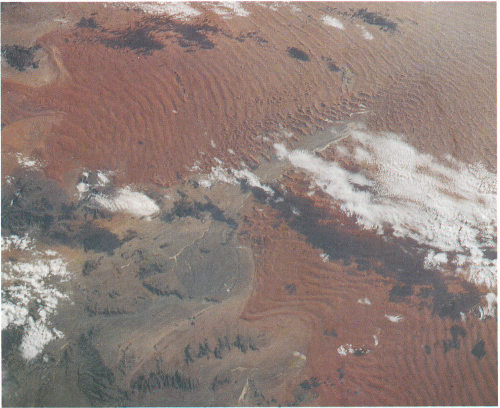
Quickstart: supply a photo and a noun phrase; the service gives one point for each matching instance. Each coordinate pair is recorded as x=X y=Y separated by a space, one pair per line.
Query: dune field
x=249 y=204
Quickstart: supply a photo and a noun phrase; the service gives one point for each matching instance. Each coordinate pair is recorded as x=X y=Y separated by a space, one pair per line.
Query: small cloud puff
x=333 y=22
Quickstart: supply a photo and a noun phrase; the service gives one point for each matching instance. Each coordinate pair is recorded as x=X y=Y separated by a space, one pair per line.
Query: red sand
x=149 y=116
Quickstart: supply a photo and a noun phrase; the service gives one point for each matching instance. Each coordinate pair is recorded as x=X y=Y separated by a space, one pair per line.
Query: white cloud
x=123 y=200
x=489 y=310
x=445 y=204
x=344 y=349
x=393 y=318
x=218 y=174
x=27 y=162
x=82 y=188
x=228 y=9
x=366 y=34
x=180 y=10
x=35 y=337
x=299 y=355
x=128 y=201
x=231 y=176
x=12 y=313
x=333 y=22
x=15 y=242
x=432 y=260
x=25 y=284
x=102 y=179
x=252 y=180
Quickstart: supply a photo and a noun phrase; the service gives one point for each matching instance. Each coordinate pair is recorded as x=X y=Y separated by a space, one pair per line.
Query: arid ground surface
x=249 y=204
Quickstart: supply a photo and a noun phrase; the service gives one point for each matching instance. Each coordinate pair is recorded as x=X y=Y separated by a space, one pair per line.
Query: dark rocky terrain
x=283 y=204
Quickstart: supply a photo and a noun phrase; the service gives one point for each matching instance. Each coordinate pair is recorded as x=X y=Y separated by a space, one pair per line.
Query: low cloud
x=446 y=206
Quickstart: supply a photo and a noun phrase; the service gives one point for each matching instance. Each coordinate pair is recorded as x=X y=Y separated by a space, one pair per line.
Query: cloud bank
x=446 y=206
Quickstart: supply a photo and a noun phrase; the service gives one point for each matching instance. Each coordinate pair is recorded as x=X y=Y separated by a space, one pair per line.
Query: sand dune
x=255 y=204
x=167 y=99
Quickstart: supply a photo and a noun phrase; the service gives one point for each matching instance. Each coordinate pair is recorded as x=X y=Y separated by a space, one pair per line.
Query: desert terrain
x=249 y=204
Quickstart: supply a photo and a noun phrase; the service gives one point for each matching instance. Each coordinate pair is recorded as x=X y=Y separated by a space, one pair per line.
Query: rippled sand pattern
x=168 y=101
x=406 y=362
x=220 y=287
